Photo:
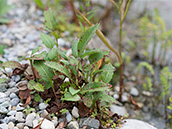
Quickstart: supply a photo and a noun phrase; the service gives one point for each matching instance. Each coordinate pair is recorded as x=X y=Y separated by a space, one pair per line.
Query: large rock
x=118 y=109
x=136 y=124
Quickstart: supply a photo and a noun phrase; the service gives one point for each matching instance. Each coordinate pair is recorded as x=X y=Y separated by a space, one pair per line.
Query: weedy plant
x=154 y=32
x=122 y=8
x=80 y=79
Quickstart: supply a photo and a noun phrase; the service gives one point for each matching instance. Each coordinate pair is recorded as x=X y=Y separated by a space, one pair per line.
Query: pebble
x=73 y=125
x=75 y=112
x=7 y=42
x=46 y=124
x=11 y=84
x=9 y=119
x=19 y=116
x=17 y=78
x=42 y=106
x=25 y=127
x=29 y=119
x=68 y=116
x=55 y=121
x=10 y=125
x=3 y=87
x=13 y=112
x=90 y=122
x=2 y=95
x=134 y=91
x=13 y=95
x=12 y=90
x=20 y=125
x=3 y=126
x=44 y=113
x=3 y=109
x=19 y=108
x=118 y=109
x=14 y=101
x=5 y=104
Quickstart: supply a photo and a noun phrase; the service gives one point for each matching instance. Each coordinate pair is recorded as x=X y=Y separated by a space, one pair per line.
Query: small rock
x=3 y=87
x=134 y=91
x=29 y=119
x=44 y=113
x=42 y=106
x=3 y=109
x=13 y=95
x=118 y=109
x=147 y=93
x=14 y=101
x=73 y=125
x=55 y=121
x=15 y=128
x=7 y=41
x=35 y=123
x=9 y=119
x=3 y=126
x=19 y=108
x=17 y=78
x=10 y=125
x=5 y=104
x=75 y=112
x=136 y=124
x=12 y=84
x=68 y=117
x=19 y=116
x=20 y=125
x=13 y=112
x=4 y=99
x=12 y=90
x=46 y=124
x=91 y=123
x=26 y=127
x=2 y=95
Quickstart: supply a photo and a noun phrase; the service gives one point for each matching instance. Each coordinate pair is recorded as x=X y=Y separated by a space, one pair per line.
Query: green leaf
x=4 y=7
x=146 y=65
x=69 y=97
x=93 y=58
x=44 y=71
x=62 y=53
x=107 y=73
x=36 y=50
x=88 y=99
x=2 y=80
x=59 y=67
x=74 y=48
x=91 y=15
x=37 y=98
x=4 y=20
x=47 y=40
x=73 y=91
x=103 y=96
x=52 y=54
x=39 y=4
x=12 y=64
x=91 y=51
x=95 y=86
x=86 y=38
x=35 y=85
x=50 y=20
x=40 y=56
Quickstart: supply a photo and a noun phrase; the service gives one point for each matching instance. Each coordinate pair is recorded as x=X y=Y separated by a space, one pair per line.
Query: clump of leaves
x=4 y=7
x=88 y=77
x=28 y=110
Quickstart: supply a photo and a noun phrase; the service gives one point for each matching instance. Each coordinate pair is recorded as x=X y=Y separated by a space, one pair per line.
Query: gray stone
x=7 y=41
x=134 y=91
x=42 y=106
x=19 y=116
x=3 y=126
x=9 y=119
x=5 y=104
x=73 y=125
x=136 y=124
x=55 y=121
x=3 y=109
x=118 y=109
x=4 y=99
x=12 y=90
x=46 y=124
x=15 y=128
x=2 y=95
x=13 y=95
x=35 y=122
x=89 y=122
x=10 y=125
x=25 y=127
x=29 y=119
x=3 y=87
x=19 y=108
x=75 y=112
x=14 y=101
x=20 y=125
x=13 y=112
x=68 y=117
x=45 y=113
x=17 y=78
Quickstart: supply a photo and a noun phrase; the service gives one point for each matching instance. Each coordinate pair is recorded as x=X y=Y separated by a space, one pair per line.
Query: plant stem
x=33 y=70
x=115 y=5
x=74 y=12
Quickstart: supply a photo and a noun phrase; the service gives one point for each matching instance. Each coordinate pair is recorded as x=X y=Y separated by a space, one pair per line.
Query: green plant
x=122 y=8
x=153 y=31
x=147 y=84
x=4 y=7
x=86 y=71
x=28 y=110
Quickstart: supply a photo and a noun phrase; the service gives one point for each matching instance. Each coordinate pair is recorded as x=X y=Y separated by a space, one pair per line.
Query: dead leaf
x=61 y=125
x=83 y=110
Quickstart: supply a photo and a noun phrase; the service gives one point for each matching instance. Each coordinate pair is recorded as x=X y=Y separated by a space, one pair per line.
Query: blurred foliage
x=4 y=8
